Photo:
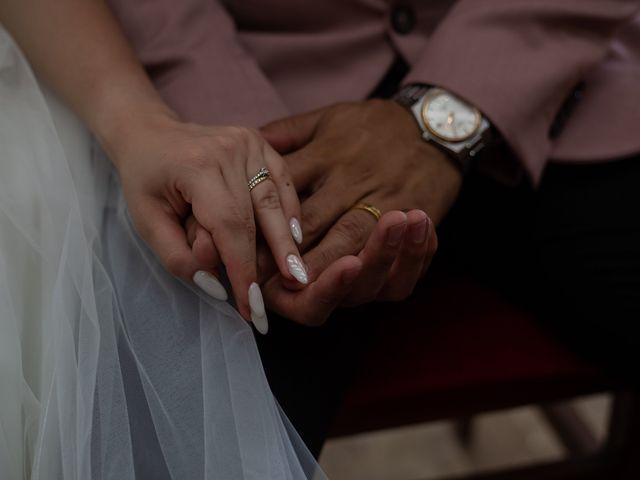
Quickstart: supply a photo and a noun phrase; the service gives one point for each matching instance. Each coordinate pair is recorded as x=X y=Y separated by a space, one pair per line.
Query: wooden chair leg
x=623 y=444
x=463 y=429
x=618 y=459
x=571 y=430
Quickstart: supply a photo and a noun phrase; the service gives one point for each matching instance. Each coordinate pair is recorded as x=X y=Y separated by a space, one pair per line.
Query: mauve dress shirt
x=249 y=62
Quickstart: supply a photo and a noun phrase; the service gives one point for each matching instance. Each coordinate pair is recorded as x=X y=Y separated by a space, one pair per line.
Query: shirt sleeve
x=518 y=61
x=191 y=52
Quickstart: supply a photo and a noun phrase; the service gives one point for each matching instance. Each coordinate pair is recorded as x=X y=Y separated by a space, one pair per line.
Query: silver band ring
x=262 y=175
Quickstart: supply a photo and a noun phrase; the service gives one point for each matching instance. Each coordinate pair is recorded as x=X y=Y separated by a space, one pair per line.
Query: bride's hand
x=169 y=169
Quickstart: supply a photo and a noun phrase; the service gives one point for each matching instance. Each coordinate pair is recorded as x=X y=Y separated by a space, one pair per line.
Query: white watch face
x=450 y=118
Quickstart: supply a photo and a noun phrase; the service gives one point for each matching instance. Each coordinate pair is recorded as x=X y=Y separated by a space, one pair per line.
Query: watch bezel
x=429 y=97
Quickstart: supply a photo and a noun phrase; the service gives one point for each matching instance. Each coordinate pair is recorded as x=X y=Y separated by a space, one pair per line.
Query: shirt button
x=403 y=19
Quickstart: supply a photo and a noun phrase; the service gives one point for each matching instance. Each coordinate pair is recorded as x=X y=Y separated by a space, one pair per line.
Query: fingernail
x=210 y=284
x=419 y=232
x=258 y=313
x=394 y=237
x=296 y=268
x=296 y=230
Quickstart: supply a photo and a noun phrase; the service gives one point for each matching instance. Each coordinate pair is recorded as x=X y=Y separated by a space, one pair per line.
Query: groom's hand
x=395 y=256
x=367 y=152
x=370 y=152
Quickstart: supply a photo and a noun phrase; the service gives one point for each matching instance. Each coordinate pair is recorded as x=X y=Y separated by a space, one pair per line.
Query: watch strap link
x=465 y=157
x=410 y=94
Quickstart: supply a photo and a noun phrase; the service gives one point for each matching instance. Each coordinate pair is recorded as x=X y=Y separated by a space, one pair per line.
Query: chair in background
x=456 y=349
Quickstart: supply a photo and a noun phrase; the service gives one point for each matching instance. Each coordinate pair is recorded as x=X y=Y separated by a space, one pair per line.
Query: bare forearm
x=78 y=48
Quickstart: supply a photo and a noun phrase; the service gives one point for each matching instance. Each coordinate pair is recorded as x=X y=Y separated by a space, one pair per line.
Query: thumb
x=291 y=133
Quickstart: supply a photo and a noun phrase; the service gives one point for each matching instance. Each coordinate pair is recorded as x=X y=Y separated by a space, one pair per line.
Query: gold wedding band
x=262 y=175
x=375 y=211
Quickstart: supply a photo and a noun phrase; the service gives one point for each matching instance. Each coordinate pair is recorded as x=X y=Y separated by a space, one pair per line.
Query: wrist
x=119 y=131
x=444 y=184
x=121 y=105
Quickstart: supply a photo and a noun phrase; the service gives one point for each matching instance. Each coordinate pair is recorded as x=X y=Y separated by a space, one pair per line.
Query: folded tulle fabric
x=110 y=368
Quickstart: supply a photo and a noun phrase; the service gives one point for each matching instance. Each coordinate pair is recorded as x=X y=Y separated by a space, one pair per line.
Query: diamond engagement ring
x=262 y=175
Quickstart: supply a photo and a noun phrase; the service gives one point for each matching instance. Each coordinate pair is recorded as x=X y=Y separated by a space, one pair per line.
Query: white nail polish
x=258 y=313
x=210 y=284
x=296 y=230
x=296 y=268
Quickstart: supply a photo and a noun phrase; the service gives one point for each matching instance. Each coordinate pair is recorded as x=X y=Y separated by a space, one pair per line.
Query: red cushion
x=453 y=349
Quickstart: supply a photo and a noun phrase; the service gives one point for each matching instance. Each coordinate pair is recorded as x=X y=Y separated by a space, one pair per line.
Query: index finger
x=349 y=236
x=230 y=221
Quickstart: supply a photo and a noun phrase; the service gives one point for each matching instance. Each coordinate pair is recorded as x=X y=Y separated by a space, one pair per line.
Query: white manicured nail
x=258 y=313
x=210 y=284
x=296 y=230
x=296 y=268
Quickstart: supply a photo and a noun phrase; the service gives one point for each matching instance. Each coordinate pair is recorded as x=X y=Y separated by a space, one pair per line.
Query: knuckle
x=245 y=132
x=173 y=263
x=351 y=231
x=224 y=223
x=322 y=257
x=312 y=222
x=233 y=131
x=253 y=134
x=237 y=223
x=238 y=218
x=227 y=144
x=268 y=199
x=250 y=228
x=243 y=135
x=196 y=156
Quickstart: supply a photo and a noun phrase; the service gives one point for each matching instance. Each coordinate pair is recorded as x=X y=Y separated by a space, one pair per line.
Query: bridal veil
x=110 y=368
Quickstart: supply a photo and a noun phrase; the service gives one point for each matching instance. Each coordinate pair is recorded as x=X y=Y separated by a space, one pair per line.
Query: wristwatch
x=447 y=122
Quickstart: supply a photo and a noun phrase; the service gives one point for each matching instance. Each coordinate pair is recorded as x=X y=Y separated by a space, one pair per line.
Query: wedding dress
x=110 y=368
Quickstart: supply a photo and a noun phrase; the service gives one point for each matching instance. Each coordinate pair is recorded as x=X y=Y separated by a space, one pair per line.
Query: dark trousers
x=568 y=250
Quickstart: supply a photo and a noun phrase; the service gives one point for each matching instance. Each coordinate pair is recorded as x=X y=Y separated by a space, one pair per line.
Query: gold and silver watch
x=447 y=122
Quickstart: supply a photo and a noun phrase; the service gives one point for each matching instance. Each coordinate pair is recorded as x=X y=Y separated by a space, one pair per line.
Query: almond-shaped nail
x=210 y=285
x=258 y=312
x=296 y=268
x=296 y=230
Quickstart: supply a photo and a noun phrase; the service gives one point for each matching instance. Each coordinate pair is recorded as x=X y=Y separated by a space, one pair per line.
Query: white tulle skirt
x=110 y=368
